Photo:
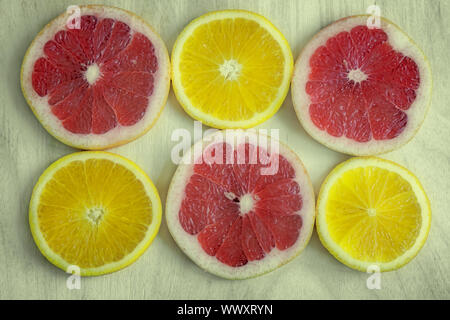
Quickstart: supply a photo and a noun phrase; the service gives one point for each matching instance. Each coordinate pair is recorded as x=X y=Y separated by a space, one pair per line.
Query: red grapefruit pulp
x=361 y=91
x=98 y=85
x=242 y=209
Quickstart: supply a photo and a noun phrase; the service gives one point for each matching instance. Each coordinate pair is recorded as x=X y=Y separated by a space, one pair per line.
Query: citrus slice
x=372 y=212
x=231 y=69
x=361 y=91
x=240 y=204
x=100 y=83
x=94 y=210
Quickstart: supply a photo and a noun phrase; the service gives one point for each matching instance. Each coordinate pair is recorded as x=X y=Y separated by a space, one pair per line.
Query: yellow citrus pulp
x=372 y=211
x=231 y=69
x=94 y=210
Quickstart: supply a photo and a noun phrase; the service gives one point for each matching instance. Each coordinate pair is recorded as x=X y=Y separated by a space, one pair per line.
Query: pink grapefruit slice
x=99 y=84
x=361 y=90
x=240 y=204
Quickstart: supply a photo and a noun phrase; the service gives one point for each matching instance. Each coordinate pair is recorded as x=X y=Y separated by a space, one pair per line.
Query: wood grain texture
x=164 y=272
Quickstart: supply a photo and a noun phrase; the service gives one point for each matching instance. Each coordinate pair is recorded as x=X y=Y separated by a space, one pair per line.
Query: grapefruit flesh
x=365 y=91
x=100 y=77
x=84 y=104
x=226 y=231
x=239 y=221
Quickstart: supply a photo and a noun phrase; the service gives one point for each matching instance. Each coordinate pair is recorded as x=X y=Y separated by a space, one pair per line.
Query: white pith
x=95 y=214
x=246 y=203
x=334 y=247
x=372 y=212
x=357 y=75
x=92 y=73
x=120 y=134
x=230 y=69
x=48 y=174
x=189 y=243
x=416 y=113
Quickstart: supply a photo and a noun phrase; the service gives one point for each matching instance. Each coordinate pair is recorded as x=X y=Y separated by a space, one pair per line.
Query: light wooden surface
x=164 y=272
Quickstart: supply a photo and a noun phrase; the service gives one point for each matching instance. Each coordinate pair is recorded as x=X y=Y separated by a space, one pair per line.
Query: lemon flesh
x=372 y=212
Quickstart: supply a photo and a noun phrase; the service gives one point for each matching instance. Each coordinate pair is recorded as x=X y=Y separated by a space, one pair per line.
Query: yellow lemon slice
x=231 y=69
x=94 y=210
x=372 y=211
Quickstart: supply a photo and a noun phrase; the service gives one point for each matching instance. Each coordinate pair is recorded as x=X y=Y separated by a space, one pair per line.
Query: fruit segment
x=372 y=212
x=104 y=75
x=370 y=85
x=230 y=68
x=240 y=204
x=95 y=211
x=361 y=90
x=237 y=212
x=224 y=58
x=78 y=202
x=98 y=82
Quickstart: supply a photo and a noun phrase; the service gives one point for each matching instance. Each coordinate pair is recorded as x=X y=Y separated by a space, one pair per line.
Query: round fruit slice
x=240 y=204
x=361 y=91
x=98 y=81
x=231 y=69
x=372 y=212
x=94 y=210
